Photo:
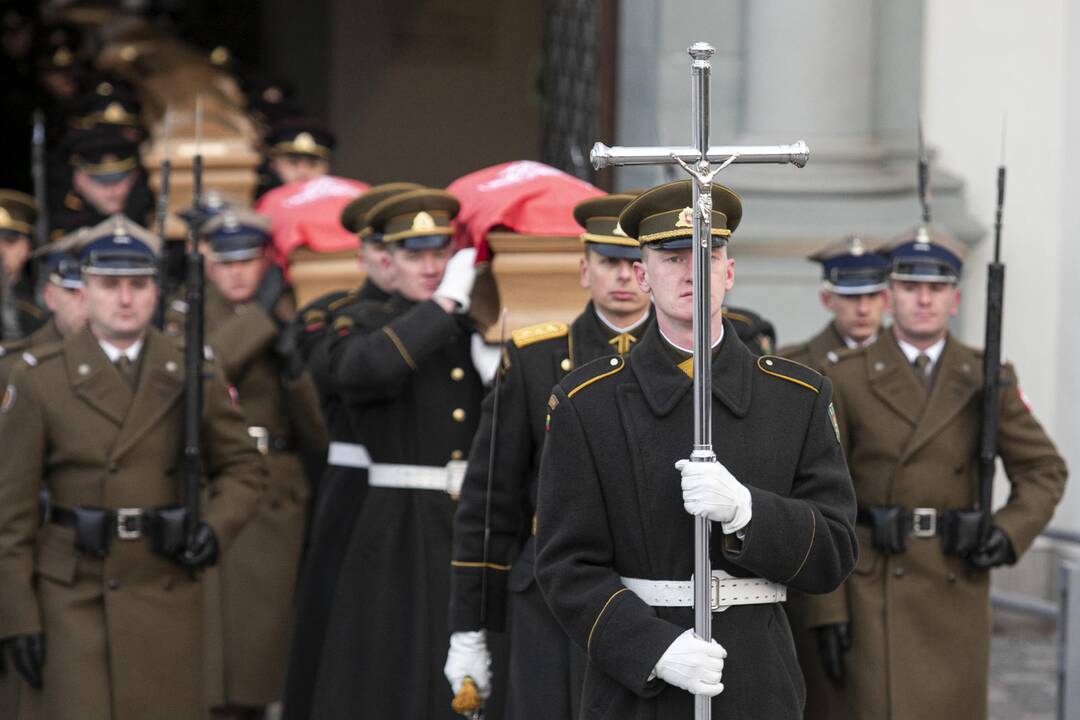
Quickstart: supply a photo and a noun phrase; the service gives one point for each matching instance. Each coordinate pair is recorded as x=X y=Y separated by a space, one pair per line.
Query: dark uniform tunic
x=123 y=633
x=250 y=593
x=413 y=397
x=336 y=500
x=546 y=671
x=611 y=505
x=920 y=619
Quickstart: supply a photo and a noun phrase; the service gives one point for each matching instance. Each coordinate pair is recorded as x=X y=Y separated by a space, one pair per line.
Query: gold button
x=457 y=455
x=458 y=415
x=565 y=365
x=457 y=374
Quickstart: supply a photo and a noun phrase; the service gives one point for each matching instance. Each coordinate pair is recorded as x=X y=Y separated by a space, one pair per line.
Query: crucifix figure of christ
x=702 y=163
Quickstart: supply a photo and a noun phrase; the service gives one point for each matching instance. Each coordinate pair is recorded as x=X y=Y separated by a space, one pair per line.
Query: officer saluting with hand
x=101 y=604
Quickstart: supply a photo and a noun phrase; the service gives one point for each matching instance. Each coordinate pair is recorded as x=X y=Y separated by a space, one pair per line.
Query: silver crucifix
x=697 y=160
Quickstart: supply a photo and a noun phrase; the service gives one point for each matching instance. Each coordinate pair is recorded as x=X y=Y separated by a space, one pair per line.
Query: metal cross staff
x=697 y=161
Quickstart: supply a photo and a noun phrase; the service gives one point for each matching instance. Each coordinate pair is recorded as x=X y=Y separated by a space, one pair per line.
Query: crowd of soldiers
x=400 y=519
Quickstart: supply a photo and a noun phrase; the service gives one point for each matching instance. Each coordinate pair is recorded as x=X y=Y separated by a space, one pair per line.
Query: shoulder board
x=737 y=317
x=14 y=346
x=591 y=372
x=72 y=201
x=790 y=370
x=36 y=355
x=338 y=302
x=525 y=336
x=30 y=309
x=840 y=354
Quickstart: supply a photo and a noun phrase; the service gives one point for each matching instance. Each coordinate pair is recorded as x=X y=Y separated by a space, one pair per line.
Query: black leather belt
x=891 y=525
x=266 y=443
x=127 y=523
x=97 y=528
x=917 y=522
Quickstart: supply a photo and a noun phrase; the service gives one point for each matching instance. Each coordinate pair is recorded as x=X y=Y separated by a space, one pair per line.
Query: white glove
x=694 y=665
x=457 y=282
x=469 y=657
x=709 y=490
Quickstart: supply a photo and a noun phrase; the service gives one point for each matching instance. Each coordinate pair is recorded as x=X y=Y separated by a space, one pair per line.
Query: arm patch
x=791 y=371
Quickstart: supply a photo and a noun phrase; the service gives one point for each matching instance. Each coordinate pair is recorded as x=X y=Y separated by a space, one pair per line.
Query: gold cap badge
x=423 y=221
x=686 y=218
x=114 y=113
x=618 y=231
x=5 y=217
x=304 y=142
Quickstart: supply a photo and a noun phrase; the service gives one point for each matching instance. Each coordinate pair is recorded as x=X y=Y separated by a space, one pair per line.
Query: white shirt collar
x=911 y=352
x=690 y=350
x=114 y=353
x=616 y=328
x=852 y=344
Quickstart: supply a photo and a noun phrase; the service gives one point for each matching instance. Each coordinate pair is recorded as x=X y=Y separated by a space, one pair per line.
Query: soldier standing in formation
x=101 y=606
x=405 y=370
x=910 y=628
x=250 y=592
x=19 y=316
x=614 y=539
x=492 y=587
x=340 y=491
x=854 y=294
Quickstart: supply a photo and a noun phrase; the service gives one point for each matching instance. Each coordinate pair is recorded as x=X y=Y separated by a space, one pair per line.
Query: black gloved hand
x=287 y=349
x=203 y=550
x=996 y=550
x=27 y=656
x=270 y=288
x=833 y=641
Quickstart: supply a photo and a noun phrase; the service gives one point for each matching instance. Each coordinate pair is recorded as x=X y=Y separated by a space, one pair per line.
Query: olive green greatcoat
x=124 y=633
x=920 y=620
x=815 y=351
x=250 y=593
x=11 y=352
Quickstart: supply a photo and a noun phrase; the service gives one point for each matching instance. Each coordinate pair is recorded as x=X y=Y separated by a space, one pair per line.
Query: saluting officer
x=100 y=606
x=62 y=296
x=413 y=396
x=339 y=493
x=492 y=588
x=247 y=304
x=914 y=617
x=614 y=543
x=853 y=291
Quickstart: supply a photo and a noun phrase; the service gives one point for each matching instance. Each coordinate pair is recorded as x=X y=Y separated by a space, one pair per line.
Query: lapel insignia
x=622 y=342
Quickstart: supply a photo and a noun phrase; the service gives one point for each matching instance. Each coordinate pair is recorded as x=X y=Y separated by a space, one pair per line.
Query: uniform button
x=457 y=374
x=113 y=583
x=458 y=415
x=565 y=365
x=457 y=455
x=951 y=577
x=899 y=572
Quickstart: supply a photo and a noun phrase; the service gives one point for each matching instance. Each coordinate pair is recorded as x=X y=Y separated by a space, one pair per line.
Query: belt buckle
x=128 y=525
x=261 y=436
x=924 y=522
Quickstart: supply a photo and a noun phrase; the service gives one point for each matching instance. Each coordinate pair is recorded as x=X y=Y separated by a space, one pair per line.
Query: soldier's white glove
x=709 y=490
x=469 y=657
x=694 y=665
x=457 y=282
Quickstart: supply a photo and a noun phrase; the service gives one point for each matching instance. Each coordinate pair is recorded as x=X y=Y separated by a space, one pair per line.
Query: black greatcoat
x=545 y=673
x=336 y=500
x=413 y=396
x=610 y=505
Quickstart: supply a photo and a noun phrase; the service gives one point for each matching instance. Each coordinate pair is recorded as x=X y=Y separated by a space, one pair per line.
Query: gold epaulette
x=541 y=331
x=790 y=370
x=737 y=317
x=343 y=300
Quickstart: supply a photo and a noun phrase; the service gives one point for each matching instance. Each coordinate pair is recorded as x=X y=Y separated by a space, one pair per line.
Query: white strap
x=350 y=455
x=725 y=591
x=448 y=478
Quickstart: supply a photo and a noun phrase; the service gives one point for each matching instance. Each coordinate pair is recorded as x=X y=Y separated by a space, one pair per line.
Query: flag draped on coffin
x=305 y=214
x=524 y=197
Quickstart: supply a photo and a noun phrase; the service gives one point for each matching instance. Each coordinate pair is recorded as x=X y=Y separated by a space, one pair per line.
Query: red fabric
x=526 y=197
x=305 y=214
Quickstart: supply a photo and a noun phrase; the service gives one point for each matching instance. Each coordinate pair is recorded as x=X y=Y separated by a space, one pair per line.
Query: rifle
x=995 y=299
x=37 y=163
x=164 y=271
x=924 y=178
x=193 y=353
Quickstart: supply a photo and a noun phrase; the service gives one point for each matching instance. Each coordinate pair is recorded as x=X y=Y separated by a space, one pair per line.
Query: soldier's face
x=238 y=280
x=856 y=316
x=297 y=168
x=419 y=272
x=107 y=198
x=119 y=308
x=613 y=286
x=668 y=275
x=921 y=310
x=67 y=307
x=375 y=260
x=15 y=251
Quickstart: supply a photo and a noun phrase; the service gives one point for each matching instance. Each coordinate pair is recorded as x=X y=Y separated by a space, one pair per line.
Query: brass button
x=457 y=374
x=457 y=455
x=565 y=365
x=458 y=415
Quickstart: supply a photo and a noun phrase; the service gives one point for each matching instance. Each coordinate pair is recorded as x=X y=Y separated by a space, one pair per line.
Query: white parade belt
x=725 y=591
x=447 y=478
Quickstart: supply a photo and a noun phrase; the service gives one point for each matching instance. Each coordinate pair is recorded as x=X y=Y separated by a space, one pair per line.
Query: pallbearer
x=492 y=587
x=614 y=553
x=853 y=291
x=101 y=605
